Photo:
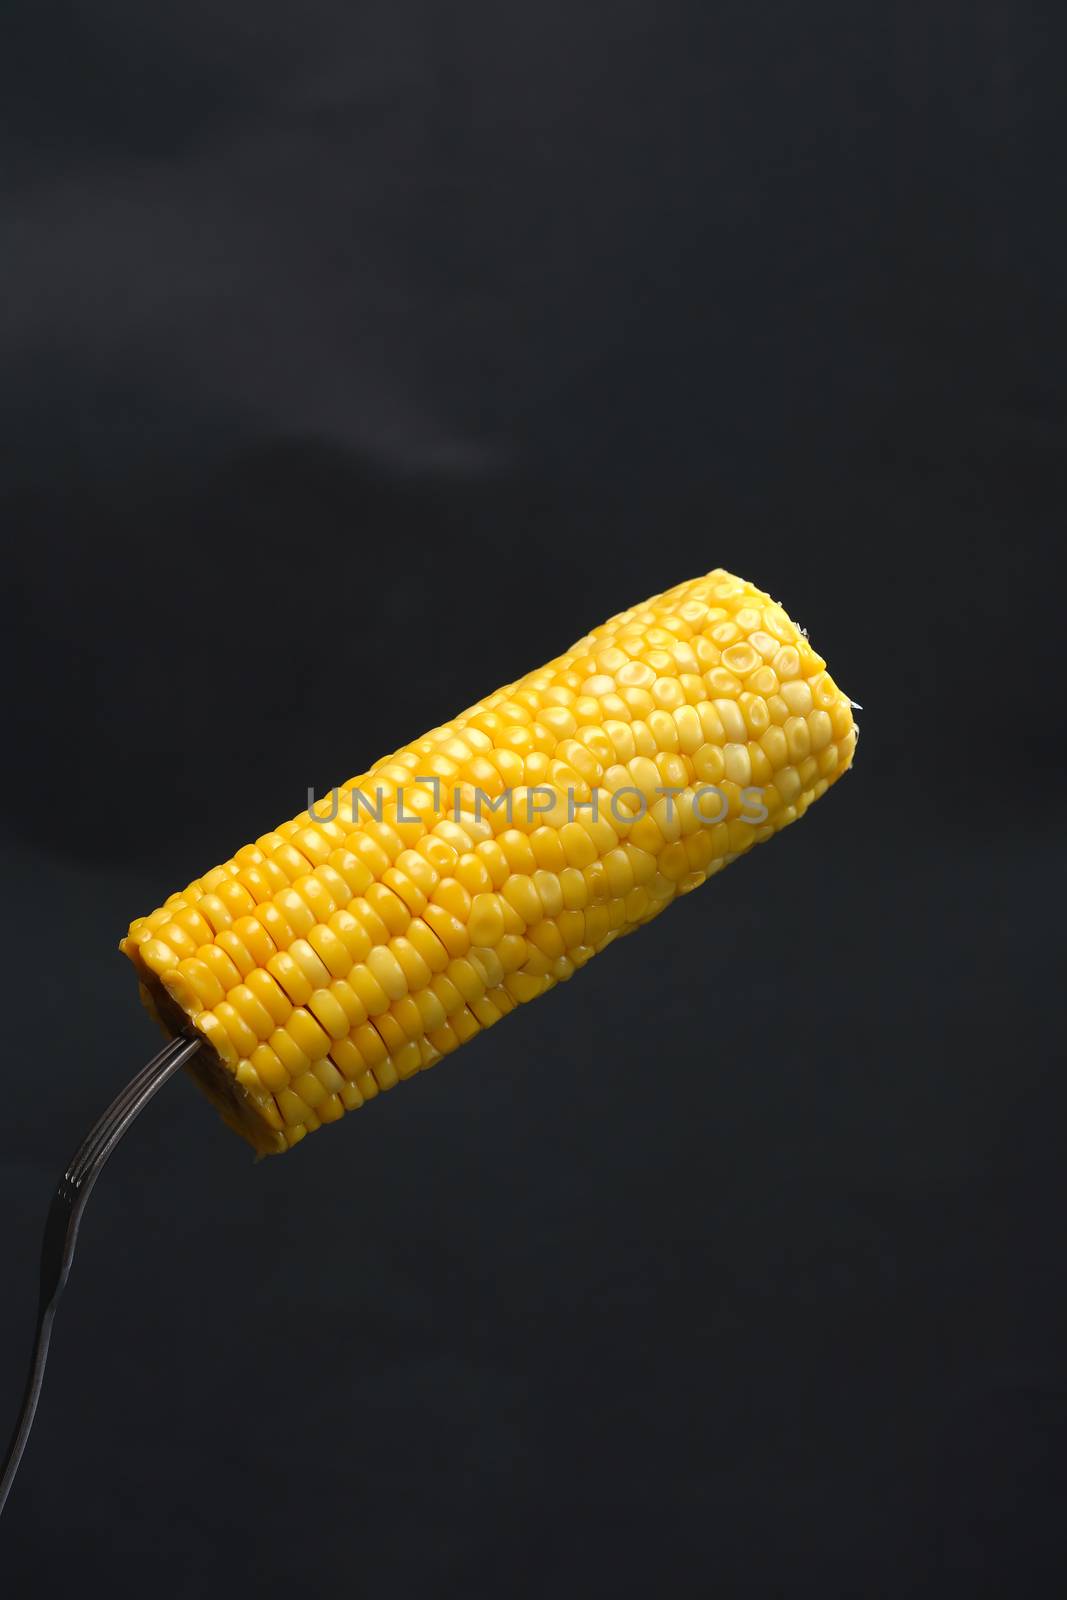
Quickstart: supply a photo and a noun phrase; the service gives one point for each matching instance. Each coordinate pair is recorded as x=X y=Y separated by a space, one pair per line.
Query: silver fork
x=64 y=1219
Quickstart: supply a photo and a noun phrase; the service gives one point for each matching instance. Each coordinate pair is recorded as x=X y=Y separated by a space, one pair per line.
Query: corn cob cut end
x=336 y=956
x=242 y=1112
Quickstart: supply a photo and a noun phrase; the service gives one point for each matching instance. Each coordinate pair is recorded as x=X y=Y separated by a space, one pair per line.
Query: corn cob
x=482 y=864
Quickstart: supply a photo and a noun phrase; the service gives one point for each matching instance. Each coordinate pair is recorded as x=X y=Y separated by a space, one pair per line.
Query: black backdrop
x=355 y=359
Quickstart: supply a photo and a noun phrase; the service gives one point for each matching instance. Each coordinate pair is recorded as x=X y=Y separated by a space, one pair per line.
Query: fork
x=64 y=1220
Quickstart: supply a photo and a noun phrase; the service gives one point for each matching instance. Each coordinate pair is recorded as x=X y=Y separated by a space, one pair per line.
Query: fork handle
x=64 y=1220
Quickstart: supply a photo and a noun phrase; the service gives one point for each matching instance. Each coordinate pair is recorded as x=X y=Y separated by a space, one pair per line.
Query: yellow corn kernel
x=251 y=1010
x=308 y=1034
x=392 y=1034
x=201 y=981
x=241 y=1036
x=334 y=958
x=329 y=1013
x=268 y=1069
x=367 y=990
x=452 y=933
x=289 y=977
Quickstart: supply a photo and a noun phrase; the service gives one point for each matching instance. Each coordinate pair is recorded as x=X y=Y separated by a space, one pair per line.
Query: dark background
x=355 y=359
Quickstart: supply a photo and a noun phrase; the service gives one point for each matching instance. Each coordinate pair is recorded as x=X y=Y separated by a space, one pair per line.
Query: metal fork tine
x=128 y=1106
x=64 y=1219
x=83 y=1156
x=98 y=1133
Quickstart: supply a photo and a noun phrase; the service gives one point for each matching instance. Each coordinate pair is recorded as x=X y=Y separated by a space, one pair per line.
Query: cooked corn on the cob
x=480 y=865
